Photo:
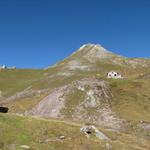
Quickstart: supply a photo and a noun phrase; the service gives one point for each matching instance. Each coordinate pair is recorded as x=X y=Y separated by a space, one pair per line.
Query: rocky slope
x=85 y=100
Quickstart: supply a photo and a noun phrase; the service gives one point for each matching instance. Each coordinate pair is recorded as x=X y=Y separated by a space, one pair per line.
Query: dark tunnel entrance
x=3 y=109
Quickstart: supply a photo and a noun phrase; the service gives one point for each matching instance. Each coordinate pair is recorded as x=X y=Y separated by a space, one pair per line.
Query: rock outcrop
x=92 y=130
x=93 y=106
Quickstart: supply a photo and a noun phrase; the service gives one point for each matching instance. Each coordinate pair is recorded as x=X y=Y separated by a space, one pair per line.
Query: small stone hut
x=114 y=75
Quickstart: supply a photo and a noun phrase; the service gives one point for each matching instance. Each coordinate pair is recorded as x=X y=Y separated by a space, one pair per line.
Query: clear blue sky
x=38 y=33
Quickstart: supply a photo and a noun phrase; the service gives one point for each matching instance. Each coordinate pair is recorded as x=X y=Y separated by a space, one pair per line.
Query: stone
x=62 y=137
x=25 y=147
x=87 y=130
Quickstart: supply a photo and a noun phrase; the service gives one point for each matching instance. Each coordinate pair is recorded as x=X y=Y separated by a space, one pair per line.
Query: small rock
x=25 y=147
x=141 y=121
x=62 y=137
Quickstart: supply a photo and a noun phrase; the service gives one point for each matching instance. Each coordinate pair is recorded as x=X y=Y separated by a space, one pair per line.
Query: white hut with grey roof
x=114 y=75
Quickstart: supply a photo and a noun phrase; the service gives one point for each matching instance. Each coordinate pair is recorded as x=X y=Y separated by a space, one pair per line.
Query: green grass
x=131 y=99
x=18 y=130
x=16 y=80
x=24 y=104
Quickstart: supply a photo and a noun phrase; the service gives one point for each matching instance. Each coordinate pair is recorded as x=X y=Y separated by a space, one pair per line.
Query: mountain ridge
x=90 y=54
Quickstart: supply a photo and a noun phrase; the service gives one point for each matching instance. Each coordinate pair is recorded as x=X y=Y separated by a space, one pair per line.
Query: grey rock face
x=94 y=108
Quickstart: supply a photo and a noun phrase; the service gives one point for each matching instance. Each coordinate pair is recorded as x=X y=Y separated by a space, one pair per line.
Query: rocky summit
x=91 y=94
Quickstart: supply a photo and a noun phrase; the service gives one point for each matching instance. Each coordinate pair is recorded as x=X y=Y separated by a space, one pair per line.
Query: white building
x=114 y=75
x=4 y=67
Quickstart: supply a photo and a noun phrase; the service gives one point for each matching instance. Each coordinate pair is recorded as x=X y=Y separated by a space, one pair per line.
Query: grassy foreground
x=42 y=134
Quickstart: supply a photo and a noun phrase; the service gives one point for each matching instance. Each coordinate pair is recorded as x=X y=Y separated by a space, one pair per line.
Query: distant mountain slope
x=77 y=89
x=95 y=58
x=95 y=53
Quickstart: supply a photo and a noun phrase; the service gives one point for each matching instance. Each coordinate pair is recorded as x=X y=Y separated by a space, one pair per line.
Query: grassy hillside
x=77 y=89
x=16 y=80
x=45 y=134
x=131 y=99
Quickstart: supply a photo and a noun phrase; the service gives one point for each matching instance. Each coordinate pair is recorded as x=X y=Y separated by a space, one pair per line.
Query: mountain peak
x=90 y=46
x=93 y=51
x=91 y=54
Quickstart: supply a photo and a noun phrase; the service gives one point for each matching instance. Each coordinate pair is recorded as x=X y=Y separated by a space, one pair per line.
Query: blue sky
x=39 y=33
